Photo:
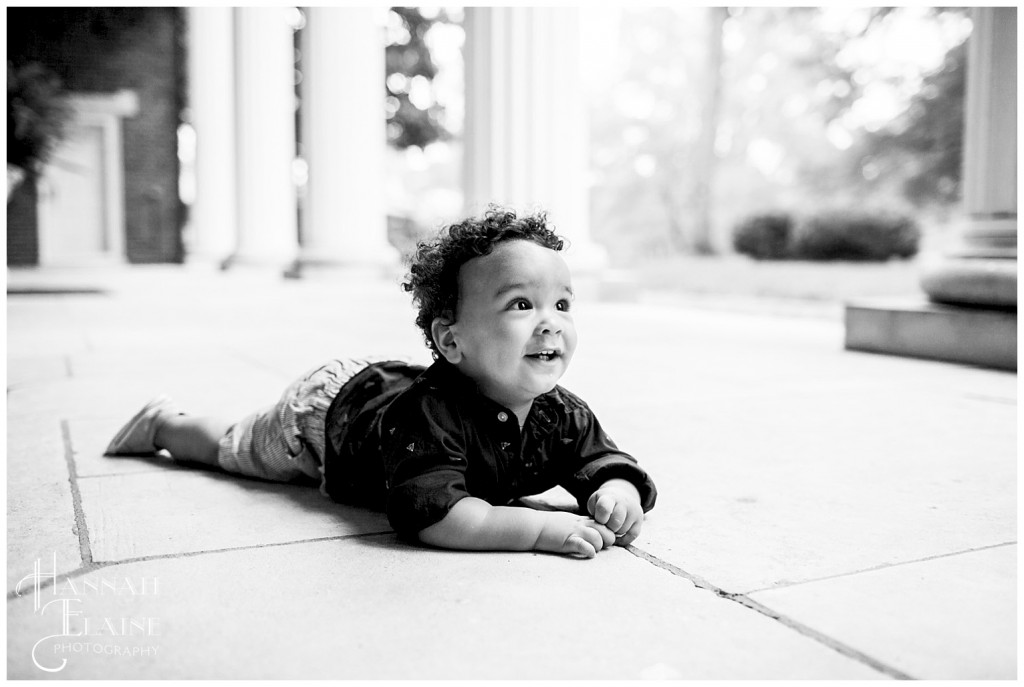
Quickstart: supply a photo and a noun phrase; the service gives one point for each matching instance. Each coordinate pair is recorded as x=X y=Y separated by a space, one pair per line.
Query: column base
x=918 y=329
x=972 y=281
x=237 y=260
x=205 y=258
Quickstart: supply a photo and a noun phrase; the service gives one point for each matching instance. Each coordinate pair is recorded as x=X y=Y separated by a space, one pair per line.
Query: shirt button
x=502 y=416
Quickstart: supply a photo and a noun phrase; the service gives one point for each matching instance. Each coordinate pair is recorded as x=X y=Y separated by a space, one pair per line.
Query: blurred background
x=802 y=153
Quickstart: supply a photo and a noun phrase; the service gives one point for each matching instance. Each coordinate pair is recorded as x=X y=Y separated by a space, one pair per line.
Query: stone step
x=920 y=329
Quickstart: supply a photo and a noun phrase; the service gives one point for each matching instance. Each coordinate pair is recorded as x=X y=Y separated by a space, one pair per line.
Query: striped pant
x=285 y=442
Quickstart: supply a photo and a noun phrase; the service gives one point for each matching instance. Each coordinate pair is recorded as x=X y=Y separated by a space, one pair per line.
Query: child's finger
x=617 y=518
x=628 y=521
x=603 y=508
x=607 y=536
x=579 y=545
x=630 y=535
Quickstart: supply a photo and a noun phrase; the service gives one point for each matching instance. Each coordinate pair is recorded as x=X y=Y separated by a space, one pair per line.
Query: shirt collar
x=547 y=408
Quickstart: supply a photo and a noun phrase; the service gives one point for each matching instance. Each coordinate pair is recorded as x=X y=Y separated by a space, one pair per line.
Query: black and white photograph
x=524 y=342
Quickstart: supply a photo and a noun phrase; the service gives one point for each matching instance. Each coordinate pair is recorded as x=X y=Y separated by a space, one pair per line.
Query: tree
x=414 y=115
x=645 y=129
x=710 y=113
x=790 y=132
x=36 y=115
x=923 y=148
x=36 y=99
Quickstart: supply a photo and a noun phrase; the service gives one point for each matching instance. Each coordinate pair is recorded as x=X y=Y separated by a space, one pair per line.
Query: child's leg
x=191 y=438
x=258 y=445
x=283 y=443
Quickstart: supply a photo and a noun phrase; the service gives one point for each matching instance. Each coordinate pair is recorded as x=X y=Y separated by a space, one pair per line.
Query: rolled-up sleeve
x=597 y=459
x=424 y=466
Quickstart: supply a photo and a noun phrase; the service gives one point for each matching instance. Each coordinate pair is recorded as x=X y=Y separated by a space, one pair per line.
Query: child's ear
x=444 y=339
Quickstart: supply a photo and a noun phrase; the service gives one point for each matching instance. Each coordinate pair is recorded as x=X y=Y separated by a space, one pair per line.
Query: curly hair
x=433 y=278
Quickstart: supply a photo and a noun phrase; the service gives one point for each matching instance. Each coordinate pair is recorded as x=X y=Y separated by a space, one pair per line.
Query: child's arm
x=616 y=505
x=616 y=489
x=474 y=524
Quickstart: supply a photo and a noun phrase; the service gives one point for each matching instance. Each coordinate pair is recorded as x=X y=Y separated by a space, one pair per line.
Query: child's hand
x=573 y=534
x=616 y=505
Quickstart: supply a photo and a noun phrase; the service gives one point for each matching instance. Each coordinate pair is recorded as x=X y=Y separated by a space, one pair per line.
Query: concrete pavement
x=822 y=513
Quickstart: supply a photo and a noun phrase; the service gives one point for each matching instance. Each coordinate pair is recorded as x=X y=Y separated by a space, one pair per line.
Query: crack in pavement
x=792 y=624
x=81 y=527
x=100 y=565
x=85 y=548
x=884 y=566
x=89 y=565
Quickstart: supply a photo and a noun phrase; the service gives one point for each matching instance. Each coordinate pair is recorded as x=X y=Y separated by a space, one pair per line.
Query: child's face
x=513 y=332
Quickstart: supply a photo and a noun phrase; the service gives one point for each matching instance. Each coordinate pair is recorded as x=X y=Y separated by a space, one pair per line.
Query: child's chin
x=545 y=385
x=541 y=380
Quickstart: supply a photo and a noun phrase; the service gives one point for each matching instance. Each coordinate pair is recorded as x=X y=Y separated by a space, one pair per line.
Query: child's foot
x=136 y=437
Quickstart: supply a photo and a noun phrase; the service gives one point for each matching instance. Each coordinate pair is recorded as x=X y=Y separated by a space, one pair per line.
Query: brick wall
x=105 y=50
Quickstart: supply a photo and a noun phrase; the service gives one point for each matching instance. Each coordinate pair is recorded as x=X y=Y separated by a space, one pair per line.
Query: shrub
x=764 y=236
x=36 y=115
x=856 y=235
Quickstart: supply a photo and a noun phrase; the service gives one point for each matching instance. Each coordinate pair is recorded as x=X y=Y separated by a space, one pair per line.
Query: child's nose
x=549 y=326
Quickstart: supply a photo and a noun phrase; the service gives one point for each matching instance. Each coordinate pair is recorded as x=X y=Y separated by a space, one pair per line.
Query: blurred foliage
x=787 y=134
x=36 y=115
x=413 y=120
x=922 y=149
x=838 y=233
x=40 y=63
x=856 y=234
x=764 y=236
x=36 y=107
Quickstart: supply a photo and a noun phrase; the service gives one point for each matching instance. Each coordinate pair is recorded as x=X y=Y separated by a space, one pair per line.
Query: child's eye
x=520 y=304
x=564 y=305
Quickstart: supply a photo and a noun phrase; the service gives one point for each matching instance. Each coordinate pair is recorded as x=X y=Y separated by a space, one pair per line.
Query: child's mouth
x=546 y=355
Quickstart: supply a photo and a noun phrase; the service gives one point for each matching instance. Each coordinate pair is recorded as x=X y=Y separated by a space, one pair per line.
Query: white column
x=211 y=82
x=526 y=133
x=265 y=137
x=344 y=139
x=980 y=266
x=990 y=139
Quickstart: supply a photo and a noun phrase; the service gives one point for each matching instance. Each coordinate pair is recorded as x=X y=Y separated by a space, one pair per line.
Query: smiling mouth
x=546 y=354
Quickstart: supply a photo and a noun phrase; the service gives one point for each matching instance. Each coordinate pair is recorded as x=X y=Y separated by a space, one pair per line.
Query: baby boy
x=447 y=451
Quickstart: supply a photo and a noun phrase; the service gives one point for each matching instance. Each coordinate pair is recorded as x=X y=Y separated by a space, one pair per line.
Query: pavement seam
x=93 y=566
x=884 y=566
x=698 y=582
x=820 y=637
x=189 y=554
x=796 y=626
x=122 y=474
x=82 y=528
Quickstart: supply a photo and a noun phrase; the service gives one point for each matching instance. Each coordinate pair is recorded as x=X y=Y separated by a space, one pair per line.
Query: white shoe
x=136 y=437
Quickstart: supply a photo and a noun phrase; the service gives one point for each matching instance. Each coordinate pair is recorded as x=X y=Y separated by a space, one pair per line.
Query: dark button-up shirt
x=413 y=441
